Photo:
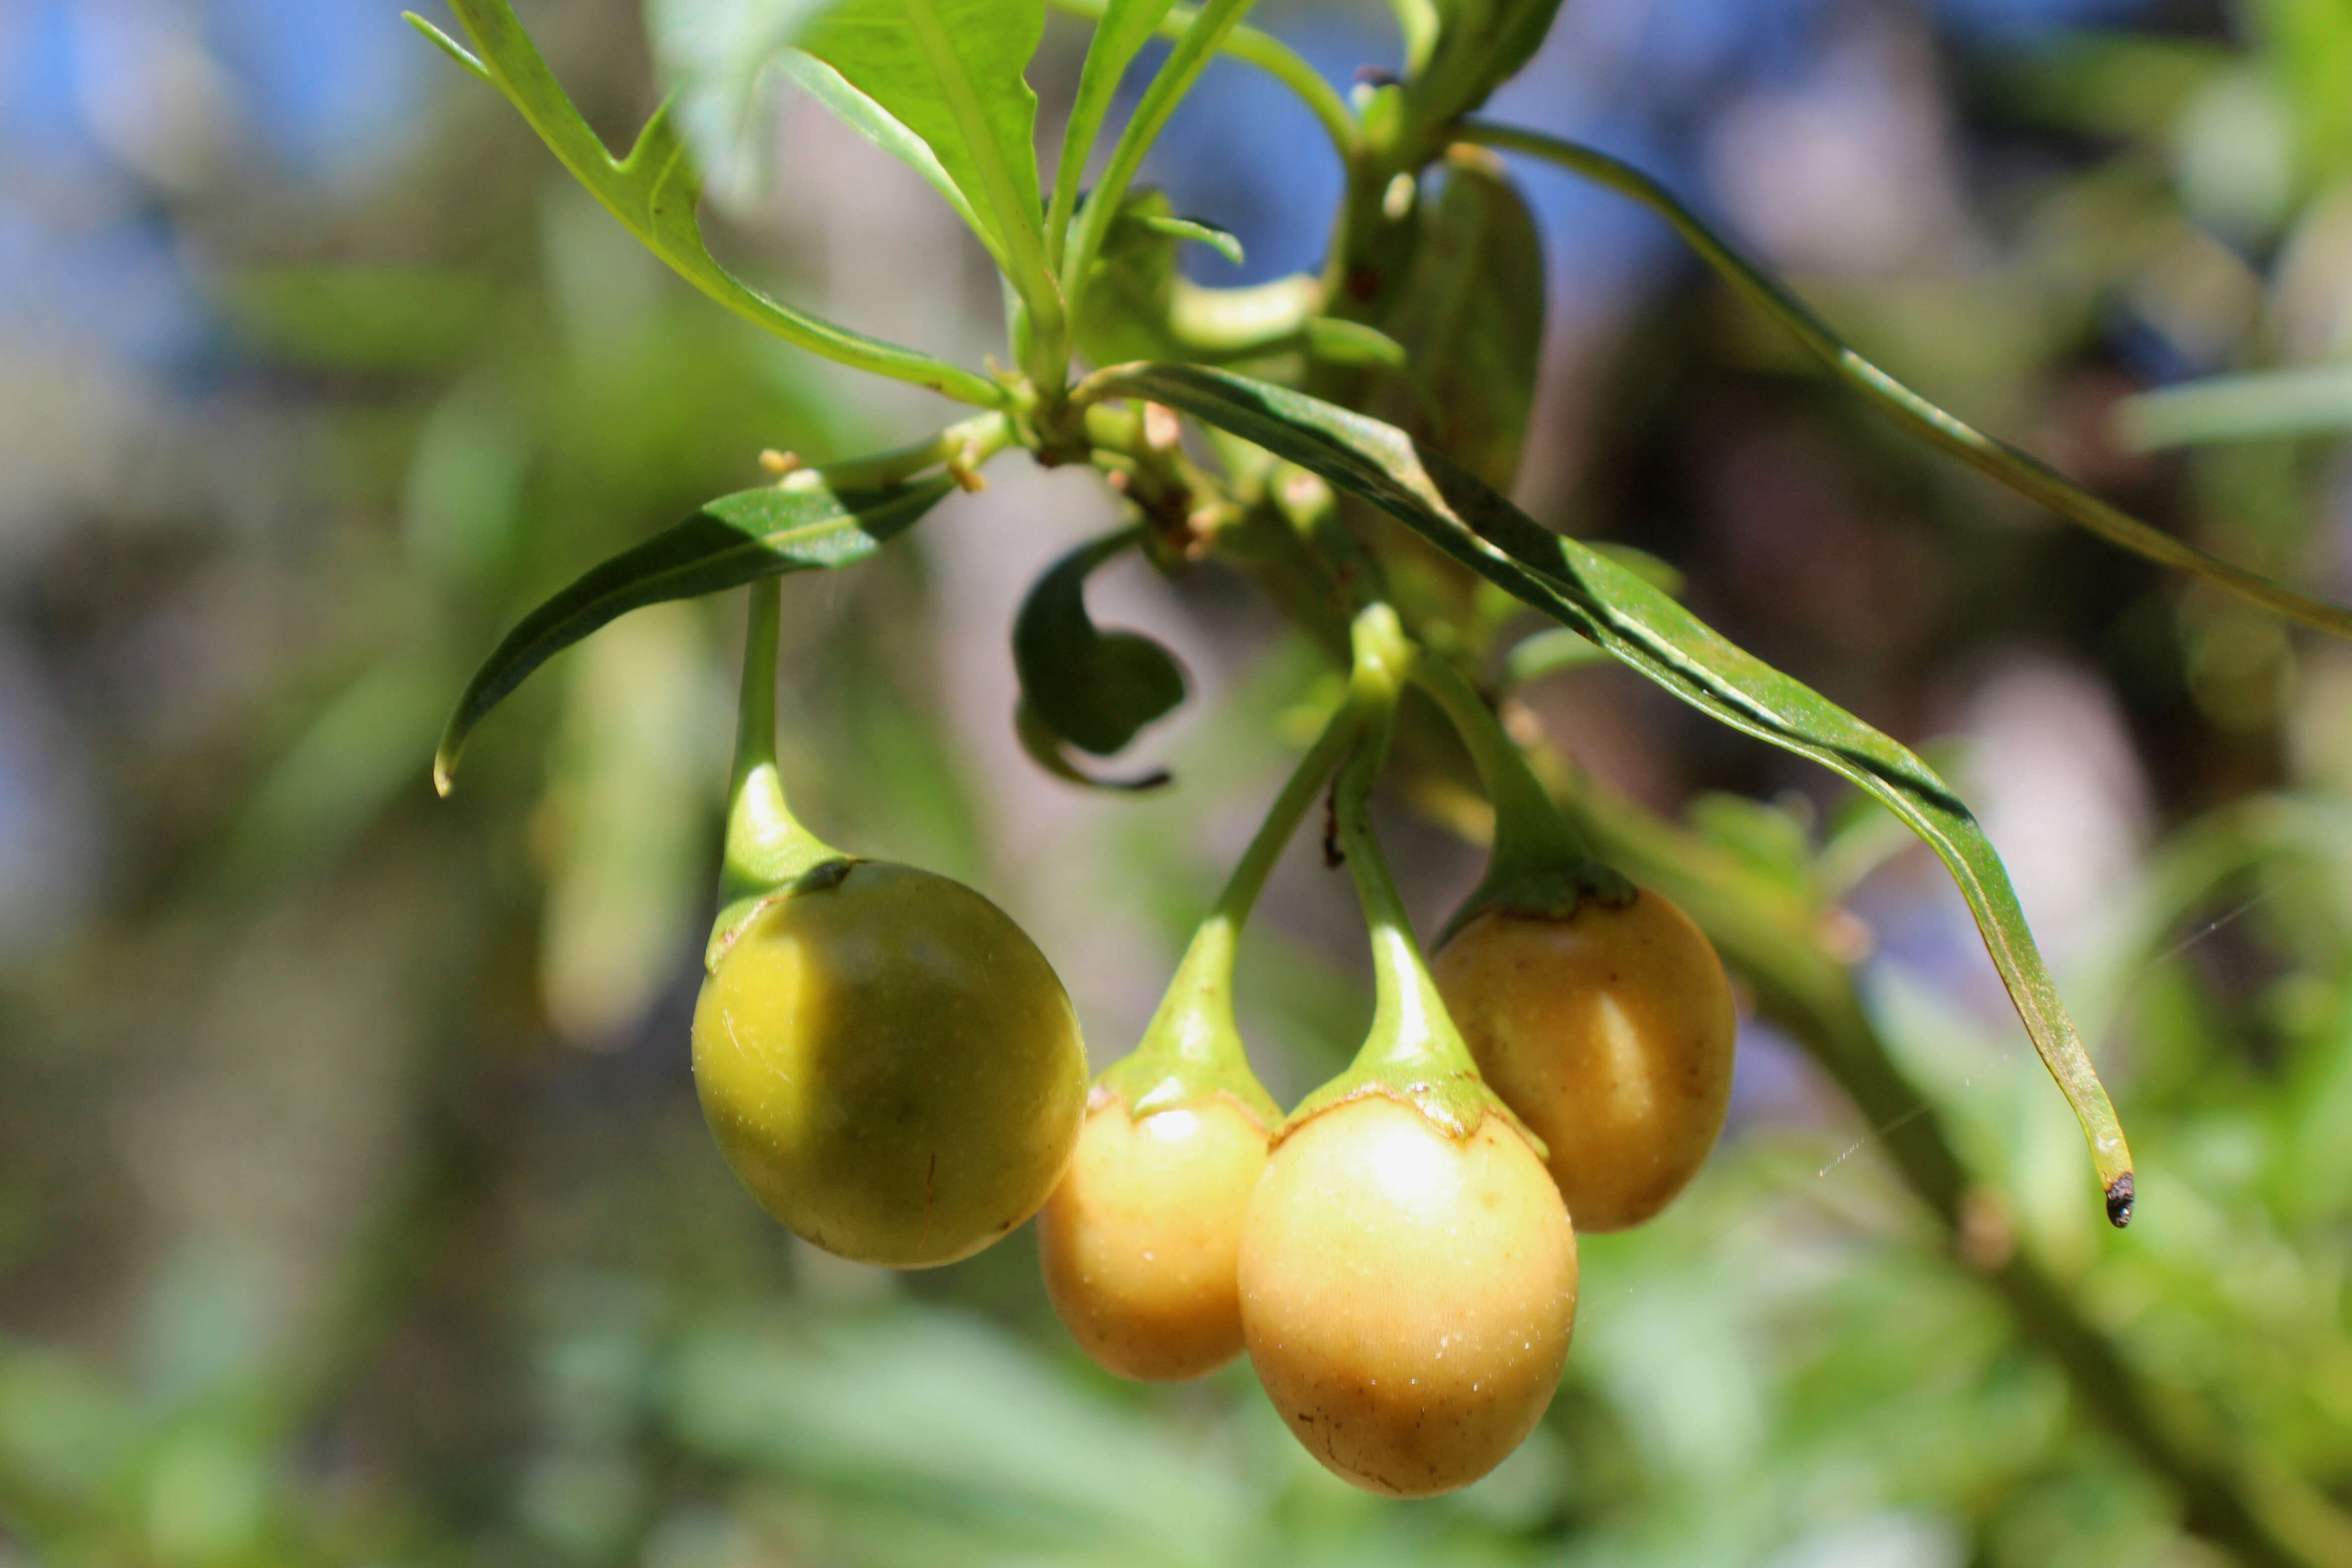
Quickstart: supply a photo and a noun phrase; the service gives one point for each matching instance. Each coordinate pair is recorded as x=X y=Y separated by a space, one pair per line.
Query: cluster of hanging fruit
x=891 y=1067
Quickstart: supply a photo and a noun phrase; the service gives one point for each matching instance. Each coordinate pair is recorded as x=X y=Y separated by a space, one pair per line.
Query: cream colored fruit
x=891 y=1067
x=1610 y=1033
x=1140 y=1242
x=1407 y=1298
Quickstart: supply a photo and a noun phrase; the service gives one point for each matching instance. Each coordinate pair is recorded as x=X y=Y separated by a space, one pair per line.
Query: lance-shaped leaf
x=1119 y=35
x=733 y=541
x=1634 y=620
x=1137 y=305
x=1200 y=41
x=1470 y=315
x=950 y=71
x=1476 y=46
x=2027 y=475
x=654 y=192
x=1094 y=688
x=2306 y=400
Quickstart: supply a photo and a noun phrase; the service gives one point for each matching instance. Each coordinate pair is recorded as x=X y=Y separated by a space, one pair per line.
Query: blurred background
x=354 y=1205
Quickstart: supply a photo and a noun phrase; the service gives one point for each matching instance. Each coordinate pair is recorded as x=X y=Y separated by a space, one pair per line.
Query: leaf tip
x=447 y=45
x=2119 y=1201
x=445 y=767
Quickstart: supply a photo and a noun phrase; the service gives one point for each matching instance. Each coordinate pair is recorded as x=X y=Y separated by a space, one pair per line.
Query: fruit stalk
x=1192 y=1046
x=1539 y=864
x=766 y=848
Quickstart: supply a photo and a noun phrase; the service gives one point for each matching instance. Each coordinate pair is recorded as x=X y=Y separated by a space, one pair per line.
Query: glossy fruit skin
x=1141 y=1243
x=1610 y=1033
x=1407 y=1298
x=890 y=1065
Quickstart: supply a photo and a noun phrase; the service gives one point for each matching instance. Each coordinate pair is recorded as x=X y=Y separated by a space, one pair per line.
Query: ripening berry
x=1610 y=1033
x=889 y=1065
x=1140 y=1241
x=1407 y=1296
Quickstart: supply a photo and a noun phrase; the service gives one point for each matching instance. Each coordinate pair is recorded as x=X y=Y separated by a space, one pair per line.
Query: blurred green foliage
x=355 y=1206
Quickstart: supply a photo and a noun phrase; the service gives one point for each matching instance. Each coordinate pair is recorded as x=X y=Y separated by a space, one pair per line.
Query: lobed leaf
x=1631 y=619
x=2027 y=475
x=735 y=540
x=655 y=190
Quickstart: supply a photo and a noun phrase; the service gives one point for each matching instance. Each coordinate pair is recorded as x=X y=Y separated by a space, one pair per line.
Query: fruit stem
x=766 y=846
x=1194 y=1046
x=1410 y=1027
x=1538 y=862
x=1414 y=1053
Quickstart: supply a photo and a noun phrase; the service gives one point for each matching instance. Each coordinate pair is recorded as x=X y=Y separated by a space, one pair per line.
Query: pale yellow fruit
x=1610 y=1033
x=1407 y=1298
x=1140 y=1242
x=890 y=1065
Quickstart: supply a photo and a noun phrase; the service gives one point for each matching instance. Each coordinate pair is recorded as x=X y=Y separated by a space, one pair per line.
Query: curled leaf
x=1049 y=751
x=1091 y=687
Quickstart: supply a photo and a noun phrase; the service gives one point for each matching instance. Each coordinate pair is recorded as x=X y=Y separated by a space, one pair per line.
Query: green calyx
x=768 y=854
x=1414 y=1053
x=1540 y=866
x=1193 y=1050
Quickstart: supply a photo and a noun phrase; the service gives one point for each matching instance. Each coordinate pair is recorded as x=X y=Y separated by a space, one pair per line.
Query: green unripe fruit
x=889 y=1065
x=1608 y=1031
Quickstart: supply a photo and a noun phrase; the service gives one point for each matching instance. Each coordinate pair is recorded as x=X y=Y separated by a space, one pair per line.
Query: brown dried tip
x=2119 y=1201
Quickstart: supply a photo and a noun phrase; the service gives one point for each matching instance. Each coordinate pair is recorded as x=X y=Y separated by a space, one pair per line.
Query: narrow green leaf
x=2304 y=401
x=1175 y=80
x=735 y=540
x=1263 y=50
x=951 y=72
x=1094 y=688
x=449 y=46
x=1477 y=44
x=1138 y=305
x=2027 y=475
x=1216 y=238
x=1120 y=31
x=1470 y=316
x=654 y=191
x=1335 y=340
x=1633 y=619
x=885 y=130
